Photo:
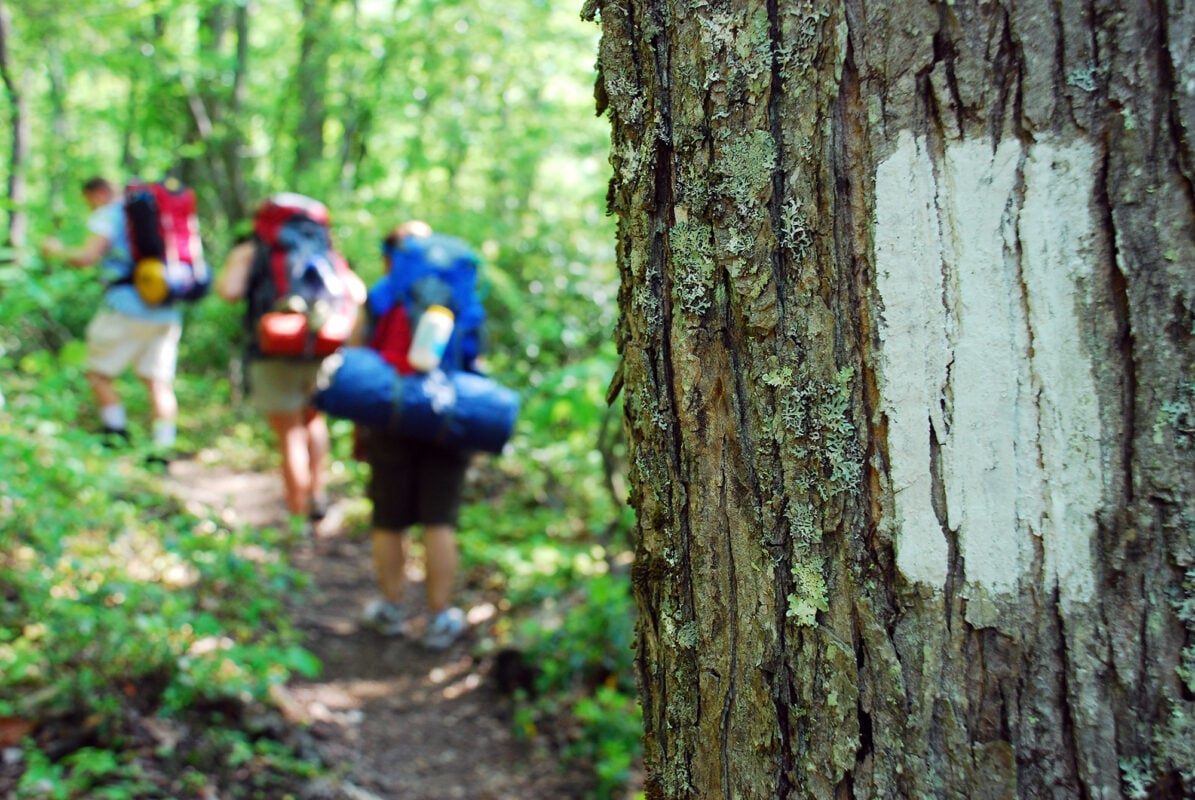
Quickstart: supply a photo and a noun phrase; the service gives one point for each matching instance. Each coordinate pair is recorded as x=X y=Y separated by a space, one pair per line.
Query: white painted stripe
x=914 y=356
x=982 y=341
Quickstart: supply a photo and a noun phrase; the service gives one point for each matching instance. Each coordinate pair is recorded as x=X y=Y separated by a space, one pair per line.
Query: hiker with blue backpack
x=424 y=316
x=301 y=302
x=139 y=322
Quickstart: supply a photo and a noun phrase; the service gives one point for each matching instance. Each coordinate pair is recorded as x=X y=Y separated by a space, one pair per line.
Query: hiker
x=125 y=331
x=417 y=482
x=290 y=243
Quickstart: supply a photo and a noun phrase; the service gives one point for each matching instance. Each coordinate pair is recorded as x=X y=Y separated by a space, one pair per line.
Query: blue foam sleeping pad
x=458 y=409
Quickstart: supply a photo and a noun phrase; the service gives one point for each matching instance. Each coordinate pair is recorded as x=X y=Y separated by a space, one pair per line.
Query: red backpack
x=164 y=242
x=300 y=304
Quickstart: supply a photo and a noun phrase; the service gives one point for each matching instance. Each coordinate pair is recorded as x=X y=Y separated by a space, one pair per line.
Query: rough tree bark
x=907 y=322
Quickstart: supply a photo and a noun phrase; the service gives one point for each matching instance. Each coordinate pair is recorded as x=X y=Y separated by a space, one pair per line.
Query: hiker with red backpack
x=301 y=306
x=131 y=328
x=424 y=316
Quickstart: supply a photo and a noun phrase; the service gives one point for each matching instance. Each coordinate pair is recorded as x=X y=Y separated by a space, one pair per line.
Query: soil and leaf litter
x=385 y=715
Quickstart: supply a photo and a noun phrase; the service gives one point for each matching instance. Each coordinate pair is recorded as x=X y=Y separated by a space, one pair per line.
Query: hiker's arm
x=87 y=254
x=234 y=278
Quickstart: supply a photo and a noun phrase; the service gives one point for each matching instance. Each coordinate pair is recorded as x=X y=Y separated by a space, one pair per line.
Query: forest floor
x=391 y=720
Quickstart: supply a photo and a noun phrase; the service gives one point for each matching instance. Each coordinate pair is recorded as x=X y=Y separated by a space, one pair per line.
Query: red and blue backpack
x=299 y=305
x=435 y=269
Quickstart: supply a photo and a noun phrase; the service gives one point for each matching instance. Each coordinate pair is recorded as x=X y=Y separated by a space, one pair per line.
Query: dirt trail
x=393 y=720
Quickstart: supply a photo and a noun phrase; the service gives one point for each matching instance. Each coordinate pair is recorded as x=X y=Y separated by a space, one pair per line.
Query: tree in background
x=18 y=153
x=906 y=327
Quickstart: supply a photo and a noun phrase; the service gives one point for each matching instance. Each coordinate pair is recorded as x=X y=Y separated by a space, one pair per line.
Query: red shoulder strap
x=392 y=339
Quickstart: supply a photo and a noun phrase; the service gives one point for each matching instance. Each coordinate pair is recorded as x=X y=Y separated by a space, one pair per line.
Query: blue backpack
x=434 y=270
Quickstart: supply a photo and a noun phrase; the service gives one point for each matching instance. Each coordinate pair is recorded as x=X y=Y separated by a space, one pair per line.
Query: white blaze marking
x=982 y=343
x=915 y=350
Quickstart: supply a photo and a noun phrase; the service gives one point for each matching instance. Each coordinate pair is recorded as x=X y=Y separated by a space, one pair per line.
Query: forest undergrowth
x=153 y=638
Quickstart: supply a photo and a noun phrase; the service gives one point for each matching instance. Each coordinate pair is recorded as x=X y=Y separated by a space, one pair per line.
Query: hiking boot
x=114 y=437
x=385 y=617
x=158 y=461
x=319 y=509
x=444 y=628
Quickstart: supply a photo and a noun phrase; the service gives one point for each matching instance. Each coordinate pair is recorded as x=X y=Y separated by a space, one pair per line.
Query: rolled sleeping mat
x=458 y=409
x=357 y=384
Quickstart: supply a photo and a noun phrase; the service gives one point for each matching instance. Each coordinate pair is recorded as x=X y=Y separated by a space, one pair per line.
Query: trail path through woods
x=393 y=720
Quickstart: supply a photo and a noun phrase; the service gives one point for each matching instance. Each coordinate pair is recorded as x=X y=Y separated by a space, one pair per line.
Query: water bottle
x=430 y=339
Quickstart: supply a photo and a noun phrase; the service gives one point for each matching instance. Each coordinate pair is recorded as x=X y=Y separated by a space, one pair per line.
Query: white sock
x=114 y=417
x=165 y=432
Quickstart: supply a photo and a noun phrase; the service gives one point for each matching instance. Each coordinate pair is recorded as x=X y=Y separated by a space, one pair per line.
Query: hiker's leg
x=390 y=549
x=439 y=543
x=441 y=484
x=317 y=454
x=155 y=368
x=291 y=433
x=110 y=350
x=111 y=410
x=102 y=388
x=164 y=409
x=162 y=402
x=391 y=493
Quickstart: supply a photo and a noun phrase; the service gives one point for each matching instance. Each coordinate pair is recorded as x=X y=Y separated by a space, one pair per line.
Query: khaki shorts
x=278 y=385
x=116 y=341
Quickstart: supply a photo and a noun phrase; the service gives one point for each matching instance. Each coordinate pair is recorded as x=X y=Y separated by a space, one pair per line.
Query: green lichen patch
x=815 y=428
x=1177 y=417
x=809 y=589
x=802 y=32
x=693 y=266
x=802 y=523
x=753 y=52
x=795 y=234
x=746 y=164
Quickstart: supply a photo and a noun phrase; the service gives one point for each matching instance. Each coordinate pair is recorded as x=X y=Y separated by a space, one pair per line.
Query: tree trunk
x=312 y=77
x=58 y=182
x=18 y=219
x=907 y=322
x=215 y=106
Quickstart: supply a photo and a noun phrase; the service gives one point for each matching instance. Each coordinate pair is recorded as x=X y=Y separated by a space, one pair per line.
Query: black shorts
x=414 y=483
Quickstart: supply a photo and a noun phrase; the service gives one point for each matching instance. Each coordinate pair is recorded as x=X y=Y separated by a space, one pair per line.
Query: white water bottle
x=430 y=339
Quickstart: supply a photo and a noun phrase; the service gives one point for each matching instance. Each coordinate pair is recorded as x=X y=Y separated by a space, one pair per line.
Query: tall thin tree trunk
x=908 y=340
x=215 y=109
x=18 y=220
x=312 y=78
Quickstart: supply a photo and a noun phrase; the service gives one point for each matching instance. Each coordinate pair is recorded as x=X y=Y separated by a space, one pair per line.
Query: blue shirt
x=109 y=222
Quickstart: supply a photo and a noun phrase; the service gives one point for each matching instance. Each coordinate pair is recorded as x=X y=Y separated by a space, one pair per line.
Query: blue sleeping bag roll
x=357 y=384
x=458 y=409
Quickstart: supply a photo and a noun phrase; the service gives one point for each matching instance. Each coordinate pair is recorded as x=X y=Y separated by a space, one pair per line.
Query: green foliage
x=574 y=620
x=115 y=597
x=612 y=722
x=87 y=772
x=43 y=308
